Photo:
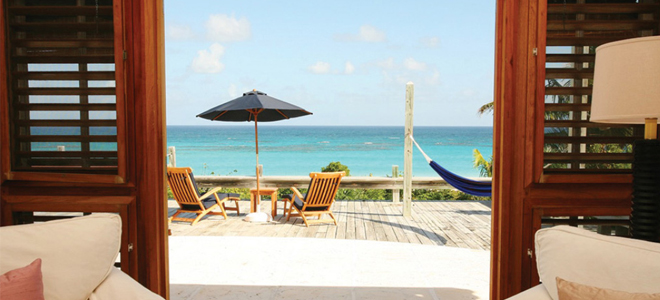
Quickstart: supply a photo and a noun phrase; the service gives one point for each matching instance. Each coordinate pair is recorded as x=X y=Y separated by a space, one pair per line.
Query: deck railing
x=350 y=182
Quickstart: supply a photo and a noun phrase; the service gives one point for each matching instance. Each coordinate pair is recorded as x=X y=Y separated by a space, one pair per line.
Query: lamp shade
x=626 y=86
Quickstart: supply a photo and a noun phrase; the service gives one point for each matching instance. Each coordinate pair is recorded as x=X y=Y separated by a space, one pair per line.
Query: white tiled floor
x=216 y=267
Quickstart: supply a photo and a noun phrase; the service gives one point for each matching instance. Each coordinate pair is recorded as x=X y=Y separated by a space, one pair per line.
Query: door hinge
x=530 y=253
x=130 y=247
x=535 y=51
x=125 y=55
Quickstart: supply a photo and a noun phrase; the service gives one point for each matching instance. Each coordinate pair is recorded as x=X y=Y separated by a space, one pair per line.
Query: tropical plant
x=486 y=108
x=336 y=166
x=484 y=166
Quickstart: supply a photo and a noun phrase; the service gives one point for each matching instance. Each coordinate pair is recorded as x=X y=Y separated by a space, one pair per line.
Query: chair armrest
x=118 y=285
x=211 y=192
x=297 y=194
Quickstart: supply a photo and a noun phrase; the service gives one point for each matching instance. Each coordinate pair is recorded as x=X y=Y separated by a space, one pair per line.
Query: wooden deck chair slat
x=319 y=199
x=186 y=195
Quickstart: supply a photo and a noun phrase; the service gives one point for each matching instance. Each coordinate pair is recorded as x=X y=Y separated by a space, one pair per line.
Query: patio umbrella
x=254 y=106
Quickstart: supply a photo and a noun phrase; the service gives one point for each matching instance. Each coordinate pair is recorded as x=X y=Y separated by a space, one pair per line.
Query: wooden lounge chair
x=183 y=186
x=318 y=200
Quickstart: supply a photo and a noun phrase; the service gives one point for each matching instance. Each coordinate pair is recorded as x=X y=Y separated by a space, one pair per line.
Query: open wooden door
x=553 y=166
x=83 y=123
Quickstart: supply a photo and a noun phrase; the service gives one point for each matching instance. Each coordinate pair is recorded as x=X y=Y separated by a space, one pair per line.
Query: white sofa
x=587 y=258
x=78 y=257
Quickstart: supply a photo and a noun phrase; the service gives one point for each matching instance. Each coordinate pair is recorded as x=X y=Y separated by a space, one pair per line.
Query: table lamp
x=626 y=90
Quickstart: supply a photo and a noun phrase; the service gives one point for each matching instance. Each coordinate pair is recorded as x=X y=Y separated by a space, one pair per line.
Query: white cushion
x=536 y=293
x=77 y=254
x=585 y=257
x=118 y=285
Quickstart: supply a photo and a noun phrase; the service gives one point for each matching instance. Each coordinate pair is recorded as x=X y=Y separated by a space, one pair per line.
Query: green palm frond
x=484 y=166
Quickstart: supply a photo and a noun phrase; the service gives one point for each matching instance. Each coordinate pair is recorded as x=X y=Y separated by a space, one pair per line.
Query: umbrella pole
x=257 y=199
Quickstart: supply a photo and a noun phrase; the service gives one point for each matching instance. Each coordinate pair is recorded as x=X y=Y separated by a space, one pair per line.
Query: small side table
x=264 y=192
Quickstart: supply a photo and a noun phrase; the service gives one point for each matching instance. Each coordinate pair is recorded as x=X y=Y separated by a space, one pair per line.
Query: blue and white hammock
x=465 y=185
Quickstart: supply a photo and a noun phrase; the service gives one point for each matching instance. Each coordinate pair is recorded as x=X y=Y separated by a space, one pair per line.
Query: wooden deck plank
x=350 y=221
x=451 y=223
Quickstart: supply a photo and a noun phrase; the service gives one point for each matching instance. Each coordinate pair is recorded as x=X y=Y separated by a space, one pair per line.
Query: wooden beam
x=145 y=85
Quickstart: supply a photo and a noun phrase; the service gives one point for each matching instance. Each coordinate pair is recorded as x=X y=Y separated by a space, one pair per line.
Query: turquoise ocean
x=299 y=150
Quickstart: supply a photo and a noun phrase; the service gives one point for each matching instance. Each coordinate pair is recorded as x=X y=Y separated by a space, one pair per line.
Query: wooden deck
x=464 y=224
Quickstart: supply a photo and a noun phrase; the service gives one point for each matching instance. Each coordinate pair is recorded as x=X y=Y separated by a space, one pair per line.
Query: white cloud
x=224 y=28
x=320 y=68
x=367 y=33
x=349 y=68
x=386 y=64
x=371 y=34
x=430 y=42
x=434 y=79
x=208 y=61
x=413 y=65
x=179 y=32
x=233 y=91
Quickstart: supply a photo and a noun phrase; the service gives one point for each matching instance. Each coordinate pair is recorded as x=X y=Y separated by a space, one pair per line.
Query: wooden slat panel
x=61 y=10
x=575 y=58
x=66 y=123
x=618 y=172
x=590 y=139
x=576 y=26
x=603 y=8
x=47 y=58
x=64 y=43
x=65 y=75
x=63 y=26
x=67 y=138
x=102 y=154
x=601 y=25
x=585 y=124
x=568 y=90
x=567 y=107
x=588 y=157
x=559 y=73
x=584 y=41
x=66 y=107
x=65 y=91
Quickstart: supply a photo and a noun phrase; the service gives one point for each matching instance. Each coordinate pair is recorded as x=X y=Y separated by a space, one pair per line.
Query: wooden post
x=395 y=192
x=407 y=159
x=171 y=154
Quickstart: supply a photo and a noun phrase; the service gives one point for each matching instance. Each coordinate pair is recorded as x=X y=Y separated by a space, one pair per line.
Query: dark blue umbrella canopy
x=253 y=103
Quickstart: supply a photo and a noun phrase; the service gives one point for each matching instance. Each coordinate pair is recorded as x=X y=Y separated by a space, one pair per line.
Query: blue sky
x=346 y=61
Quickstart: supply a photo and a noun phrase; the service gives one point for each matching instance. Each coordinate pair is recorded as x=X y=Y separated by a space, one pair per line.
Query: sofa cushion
x=118 y=285
x=536 y=293
x=23 y=283
x=574 y=291
x=588 y=258
x=77 y=254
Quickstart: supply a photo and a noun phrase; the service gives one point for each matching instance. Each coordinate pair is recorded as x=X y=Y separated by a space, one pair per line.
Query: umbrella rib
x=220 y=115
x=281 y=113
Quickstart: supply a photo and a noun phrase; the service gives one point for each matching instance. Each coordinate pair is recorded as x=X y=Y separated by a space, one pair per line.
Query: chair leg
x=289 y=217
x=333 y=217
x=238 y=209
x=304 y=219
x=199 y=217
x=169 y=220
x=224 y=212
